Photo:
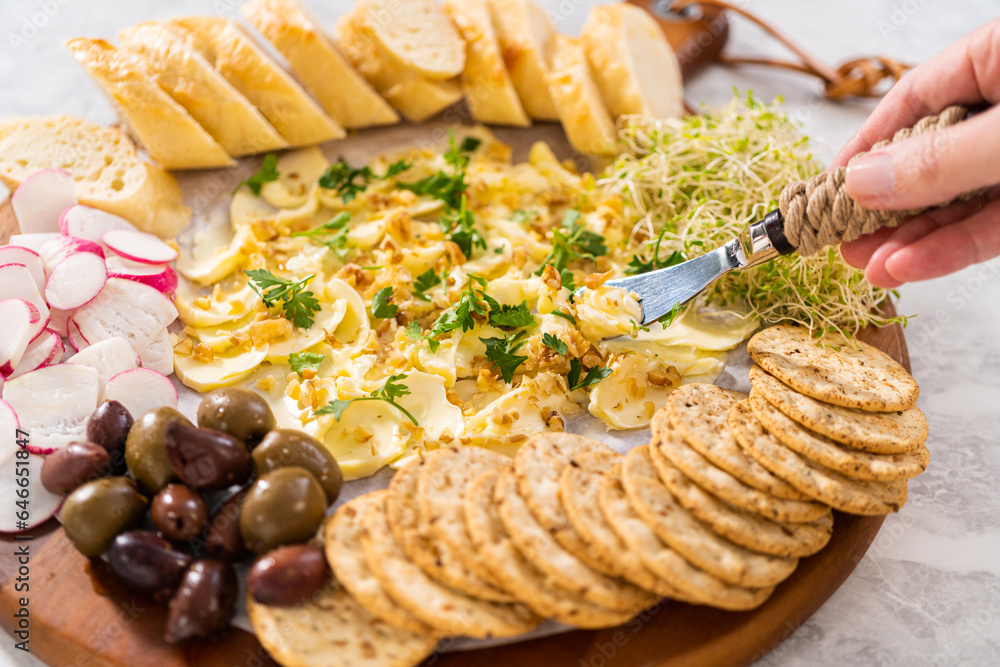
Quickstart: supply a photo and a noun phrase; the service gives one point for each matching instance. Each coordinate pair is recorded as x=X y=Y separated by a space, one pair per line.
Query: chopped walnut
x=595 y=280
x=204 y=302
x=184 y=347
x=361 y=434
x=661 y=378
x=551 y=277
x=455 y=253
x=308 y=373
x=520 y=257
x=239 y=339
x=355 y=276
x=204 y=353
x=501 y=417
x=554 y=421
x=266 y=330
x=266 y=383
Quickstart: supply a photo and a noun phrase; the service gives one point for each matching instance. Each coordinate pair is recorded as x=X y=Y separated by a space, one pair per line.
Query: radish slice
x=8 y=436
x=75 y=338
x=60 y=248
x=45 y=350
x=160 y=277
x=19 y=319
x=53 y=404
x=41 y=198
x=12 y=254
x=125 y=308
x=108 y=357
x=42 y=504
x=59 y=319
x=159 y=356
x=32 y=241
x=16 y=282
x=141 y=390
x=90 y=223
x=76 y=281
x=139 y=246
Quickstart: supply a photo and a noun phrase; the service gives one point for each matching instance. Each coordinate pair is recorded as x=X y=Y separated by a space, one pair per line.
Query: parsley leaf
x=565 y=316
x=593 y=376
x=390 y=391
x=336 y=230
x=521 y=216
x=447 y=187
x=299 y=304
x=424 y=282
x=502 y=352
x=413 y=332
x=472 y=302
x=268 y=172
x=512 y=316
x=668 y=319
x=381 y=307
x=554 y=344
x=300 y=361
x=572 y=242
x=396 y=168
x=345 y=180
x=637 y=265
x=461 y=228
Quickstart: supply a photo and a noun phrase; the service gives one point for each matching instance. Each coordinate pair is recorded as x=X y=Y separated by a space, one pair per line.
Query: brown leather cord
x=820 y=213
x=859 y=77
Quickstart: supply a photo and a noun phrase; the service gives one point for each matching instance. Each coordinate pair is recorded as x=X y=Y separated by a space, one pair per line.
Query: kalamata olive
x=282 y=448
x=206 y=459
x=97 y=511
x=108 y=427
x=204 y=602
x=178 y=512
x=223 y=539
x=288 y=575
x=145 y=453
x=147 y=563
x=284 y=506
x=78 y=462
x=242 y=413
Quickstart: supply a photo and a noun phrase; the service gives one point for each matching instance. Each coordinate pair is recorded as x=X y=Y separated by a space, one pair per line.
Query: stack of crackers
x=716 y=510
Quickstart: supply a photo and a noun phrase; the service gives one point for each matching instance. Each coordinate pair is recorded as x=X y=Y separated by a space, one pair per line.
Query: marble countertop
x=928 y=591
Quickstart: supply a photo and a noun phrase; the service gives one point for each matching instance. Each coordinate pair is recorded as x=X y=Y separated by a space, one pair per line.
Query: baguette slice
x=259 y=78
x=633 y=63
x=195 y=85
x=109 y=174
x=587 y=122
x=341 y=91
x=489 y=92
x=525 y=34
x=416 y=34
x=416 y=97
x=169 y=133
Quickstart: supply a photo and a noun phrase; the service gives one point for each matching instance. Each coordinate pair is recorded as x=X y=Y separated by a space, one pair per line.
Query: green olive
x=241 y=413
x=284 y=506
x=284 y=447
x=95 y=513
x=145 y=453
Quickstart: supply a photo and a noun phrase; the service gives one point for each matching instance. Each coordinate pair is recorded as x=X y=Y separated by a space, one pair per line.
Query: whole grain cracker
x=840 y=492
x=833 y=369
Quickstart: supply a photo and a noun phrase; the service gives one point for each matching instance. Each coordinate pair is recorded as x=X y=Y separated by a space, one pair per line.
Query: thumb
x=930 y=168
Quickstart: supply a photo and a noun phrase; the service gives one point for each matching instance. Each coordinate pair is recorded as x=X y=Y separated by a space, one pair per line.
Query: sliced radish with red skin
x=58 y=319
x=90 y=223
x=76 y=281
x=108 y=357
x=159 y=356
x=32 y=241
x=45 y=350
x=12 y=254
x=40 y=200
x=139 y=246
x=53 y=404
x=128 y=309
x=160 y=277
x=58 y=249
x=42 y=503
x=141 y=390
x=76 y=339
x=19 y=319
x=16 y=282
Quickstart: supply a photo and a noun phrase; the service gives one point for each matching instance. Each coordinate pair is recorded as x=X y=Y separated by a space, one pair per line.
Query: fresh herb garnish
x=668 y=319
x=572 y=241
x=512 y=316
x=414 y=332
x=474 y=301
x=381 y=306
x=460 y=226
x=336 y=232
x=268 y=172
x=593 y=376
x=502 y=352
x=301 y=361
x=349 y=182
x=424 y=282
x=298 y=303
x=554 y=344
x=521 y=216
x=389 y=392
x=566 y=316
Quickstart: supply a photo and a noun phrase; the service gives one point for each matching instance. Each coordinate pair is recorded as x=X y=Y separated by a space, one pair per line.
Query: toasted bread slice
x=259 y=78
x=587 y=122
x=341 y=91
x=168 y=132
x=416 y=97
x=633 y=63
x=196 y=86
x=109 y=174
x=489 y=92
x=525 y=34
x=416 y=34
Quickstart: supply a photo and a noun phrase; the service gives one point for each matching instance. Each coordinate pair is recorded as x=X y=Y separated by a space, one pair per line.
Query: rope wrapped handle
x=819 y=212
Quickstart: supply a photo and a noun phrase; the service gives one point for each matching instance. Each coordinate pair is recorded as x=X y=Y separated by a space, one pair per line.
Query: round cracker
x=441 y=483
x=689 y=537
x=541 y=550
x=538 y=464
x=347 y=560
x=578 y=486
x=854 y=496
x=444 y=609
x=744 y=528
x=700 y=412
x=875 y=432
x=333 y=630
x=700 y=587
x=833 y=369
x=527 y=582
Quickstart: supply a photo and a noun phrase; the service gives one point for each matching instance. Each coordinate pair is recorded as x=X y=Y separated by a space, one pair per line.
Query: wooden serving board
x=81 y=617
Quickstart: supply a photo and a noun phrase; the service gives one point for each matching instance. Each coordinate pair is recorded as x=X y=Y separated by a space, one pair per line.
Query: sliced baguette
x=633 y=63
x=259 y=78
x=587 y=122
x=489 y=92
x=341 y=91
x=525 y=34
x=416 y=34
x=196 y=86
x=416 y=97
x=109 y=174
x=168 y=132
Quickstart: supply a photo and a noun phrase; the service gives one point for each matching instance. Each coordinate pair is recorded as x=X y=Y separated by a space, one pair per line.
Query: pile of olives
x=275 y=486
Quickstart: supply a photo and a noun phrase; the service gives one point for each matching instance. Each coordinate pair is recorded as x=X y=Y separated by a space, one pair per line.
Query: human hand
x=931 y=168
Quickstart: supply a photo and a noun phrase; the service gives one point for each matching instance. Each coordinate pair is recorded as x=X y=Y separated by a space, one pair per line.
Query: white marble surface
x=928 y=592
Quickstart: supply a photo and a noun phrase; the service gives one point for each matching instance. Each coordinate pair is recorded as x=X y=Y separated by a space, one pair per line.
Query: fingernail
x=870 y=176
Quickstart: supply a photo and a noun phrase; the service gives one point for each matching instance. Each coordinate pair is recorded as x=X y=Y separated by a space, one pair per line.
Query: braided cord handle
x=819 y=212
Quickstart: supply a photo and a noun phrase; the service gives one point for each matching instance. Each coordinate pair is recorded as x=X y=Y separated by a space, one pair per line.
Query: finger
x=902 y=236
x=859 y=251
x=929 y=168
